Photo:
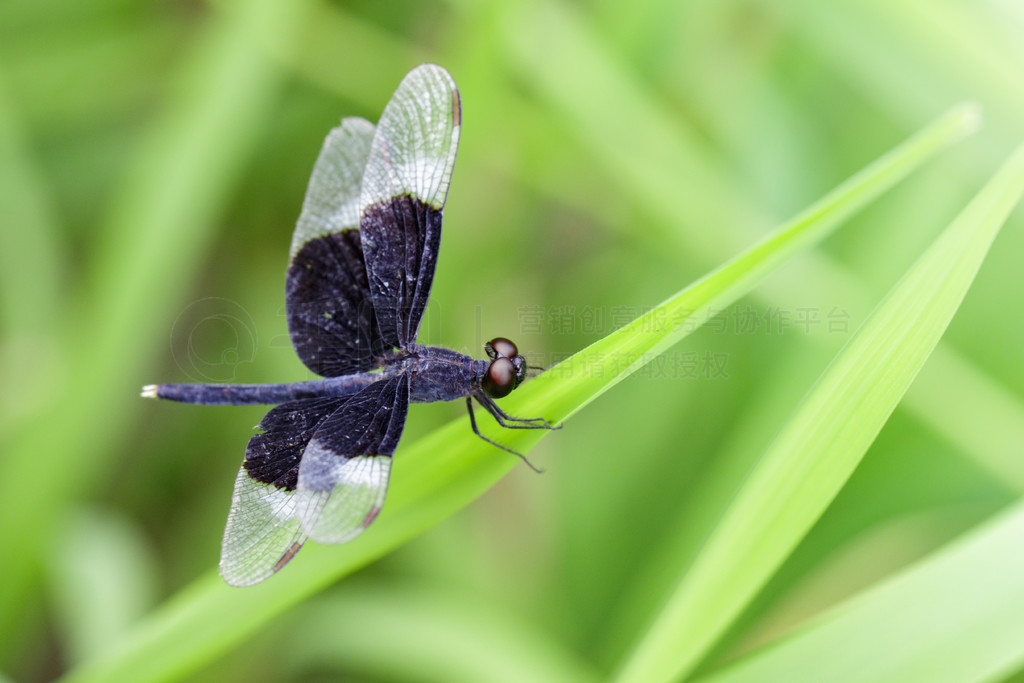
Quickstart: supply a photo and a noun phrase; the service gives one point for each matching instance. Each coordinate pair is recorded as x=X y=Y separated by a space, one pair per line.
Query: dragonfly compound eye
x=500 y=379
x=499 y=347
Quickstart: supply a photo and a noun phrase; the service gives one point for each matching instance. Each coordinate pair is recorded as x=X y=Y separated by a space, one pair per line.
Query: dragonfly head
x=507 y=369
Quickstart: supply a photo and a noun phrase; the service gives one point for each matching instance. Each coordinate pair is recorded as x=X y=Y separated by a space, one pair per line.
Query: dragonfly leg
x=504 y=418
x=476 y=430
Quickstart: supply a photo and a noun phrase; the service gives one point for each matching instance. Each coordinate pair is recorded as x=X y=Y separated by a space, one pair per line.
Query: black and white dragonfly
x=361 y=265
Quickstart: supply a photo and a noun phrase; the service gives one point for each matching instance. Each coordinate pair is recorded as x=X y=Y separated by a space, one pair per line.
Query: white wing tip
x=149 y=391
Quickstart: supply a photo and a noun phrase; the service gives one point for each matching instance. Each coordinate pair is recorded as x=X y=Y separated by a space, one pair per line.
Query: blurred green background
x=153 y=160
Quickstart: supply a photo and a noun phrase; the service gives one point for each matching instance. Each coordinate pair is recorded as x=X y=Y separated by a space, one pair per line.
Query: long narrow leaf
x=817 y=450
x=449 y=468
x=955 y=616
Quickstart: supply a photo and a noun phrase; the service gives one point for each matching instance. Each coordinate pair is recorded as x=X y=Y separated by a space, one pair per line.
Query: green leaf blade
x=819 y=447
x=854 y=642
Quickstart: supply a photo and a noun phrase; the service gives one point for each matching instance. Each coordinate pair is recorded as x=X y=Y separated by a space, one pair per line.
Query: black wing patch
x=408 y=234
x=330 y=311
x=344 y=473
x=273 y=456
x=403 y=193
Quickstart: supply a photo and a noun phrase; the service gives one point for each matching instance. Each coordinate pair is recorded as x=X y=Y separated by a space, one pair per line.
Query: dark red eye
x=500 y=379
x=499 y=347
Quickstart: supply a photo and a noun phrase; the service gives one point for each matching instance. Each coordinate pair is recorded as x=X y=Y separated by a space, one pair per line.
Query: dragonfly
x=361 y=264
